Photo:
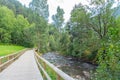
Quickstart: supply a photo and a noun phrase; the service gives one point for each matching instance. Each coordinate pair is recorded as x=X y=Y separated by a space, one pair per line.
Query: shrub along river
x=79 y=70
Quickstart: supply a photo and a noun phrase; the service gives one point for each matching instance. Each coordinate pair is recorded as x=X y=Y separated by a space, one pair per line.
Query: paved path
x=25 y=68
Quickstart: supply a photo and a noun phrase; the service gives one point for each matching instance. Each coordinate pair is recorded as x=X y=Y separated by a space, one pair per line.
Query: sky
x=25 y=2
x=66 y=5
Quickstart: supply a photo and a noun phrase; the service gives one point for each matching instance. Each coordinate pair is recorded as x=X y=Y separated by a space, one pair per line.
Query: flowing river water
x=77 y=69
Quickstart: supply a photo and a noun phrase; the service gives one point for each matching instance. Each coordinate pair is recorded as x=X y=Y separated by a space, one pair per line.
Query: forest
x=92 y=34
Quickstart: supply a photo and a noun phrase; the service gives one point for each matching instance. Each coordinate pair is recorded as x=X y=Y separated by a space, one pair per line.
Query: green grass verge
x=9 y=49
x=50 y=72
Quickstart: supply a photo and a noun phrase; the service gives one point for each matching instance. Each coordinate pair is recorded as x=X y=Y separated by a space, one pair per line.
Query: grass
x=9 y=49
x=50 y=71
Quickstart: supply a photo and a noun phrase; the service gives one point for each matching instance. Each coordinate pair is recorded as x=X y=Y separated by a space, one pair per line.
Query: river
x=77 y=69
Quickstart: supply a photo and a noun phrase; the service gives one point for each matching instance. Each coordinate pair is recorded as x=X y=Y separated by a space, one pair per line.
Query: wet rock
x=58 y=66
x=69 y=58
x=87 y=66
x=87 y=74
x=71 y=62
x=79 y=67
x=78 y=77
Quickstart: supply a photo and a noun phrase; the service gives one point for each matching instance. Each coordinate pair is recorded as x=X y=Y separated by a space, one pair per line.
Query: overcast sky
x=67 y=5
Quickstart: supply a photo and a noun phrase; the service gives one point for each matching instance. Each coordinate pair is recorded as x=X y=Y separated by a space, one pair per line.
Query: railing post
x=14 y=56
x=0 y=64
x=8 y=58
x=0 y=69
x=58 y=77
x=0 y=61
x=44 y=65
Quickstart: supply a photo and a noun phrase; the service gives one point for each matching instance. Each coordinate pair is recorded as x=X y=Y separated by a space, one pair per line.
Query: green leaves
x=12 y=29
x=7 y=20
x=40 y=7
x=108 y=63
x=58 y=18
x=109 y=56
x=20 y=33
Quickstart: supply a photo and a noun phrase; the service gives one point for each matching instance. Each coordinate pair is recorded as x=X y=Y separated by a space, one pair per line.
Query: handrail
x=40 y=66
x=60 y=73
x=6 y=60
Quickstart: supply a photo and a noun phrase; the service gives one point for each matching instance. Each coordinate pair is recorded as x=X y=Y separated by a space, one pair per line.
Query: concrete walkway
x=25 y=68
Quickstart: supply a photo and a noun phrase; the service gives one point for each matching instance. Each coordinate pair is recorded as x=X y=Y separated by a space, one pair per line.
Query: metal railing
x=6 y=60
x=49 y=71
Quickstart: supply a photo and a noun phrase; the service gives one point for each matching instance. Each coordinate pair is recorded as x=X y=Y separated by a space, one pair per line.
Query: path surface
x=25 y=68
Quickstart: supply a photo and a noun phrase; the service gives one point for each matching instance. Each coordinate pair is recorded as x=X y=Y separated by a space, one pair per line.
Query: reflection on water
x=77 y=69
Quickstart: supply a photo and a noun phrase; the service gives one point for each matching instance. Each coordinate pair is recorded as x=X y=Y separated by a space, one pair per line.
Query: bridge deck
x=25 y=68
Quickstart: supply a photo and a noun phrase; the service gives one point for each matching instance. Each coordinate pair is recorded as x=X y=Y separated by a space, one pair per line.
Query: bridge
x=29 y=65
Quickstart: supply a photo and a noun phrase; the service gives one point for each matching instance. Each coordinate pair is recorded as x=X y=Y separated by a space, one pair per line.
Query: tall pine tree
x=40 y=7
x=58 y=18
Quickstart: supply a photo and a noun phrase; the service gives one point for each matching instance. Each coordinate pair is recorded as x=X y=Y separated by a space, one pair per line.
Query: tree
x=41 y=33
x=40 y=7
x=101 y=17
x=14 y=5
x=106 y=26
x=65 y=43
x=27 y=29
x=7 y=20
x=108 y=68
x=58 y=18
x=19 y=35
x=83 y=42
x=54 y=41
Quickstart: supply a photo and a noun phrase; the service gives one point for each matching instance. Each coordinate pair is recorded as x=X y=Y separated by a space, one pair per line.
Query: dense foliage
x=21 y=25
x=12 y=29
x=41 y=7
x=58 y=18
